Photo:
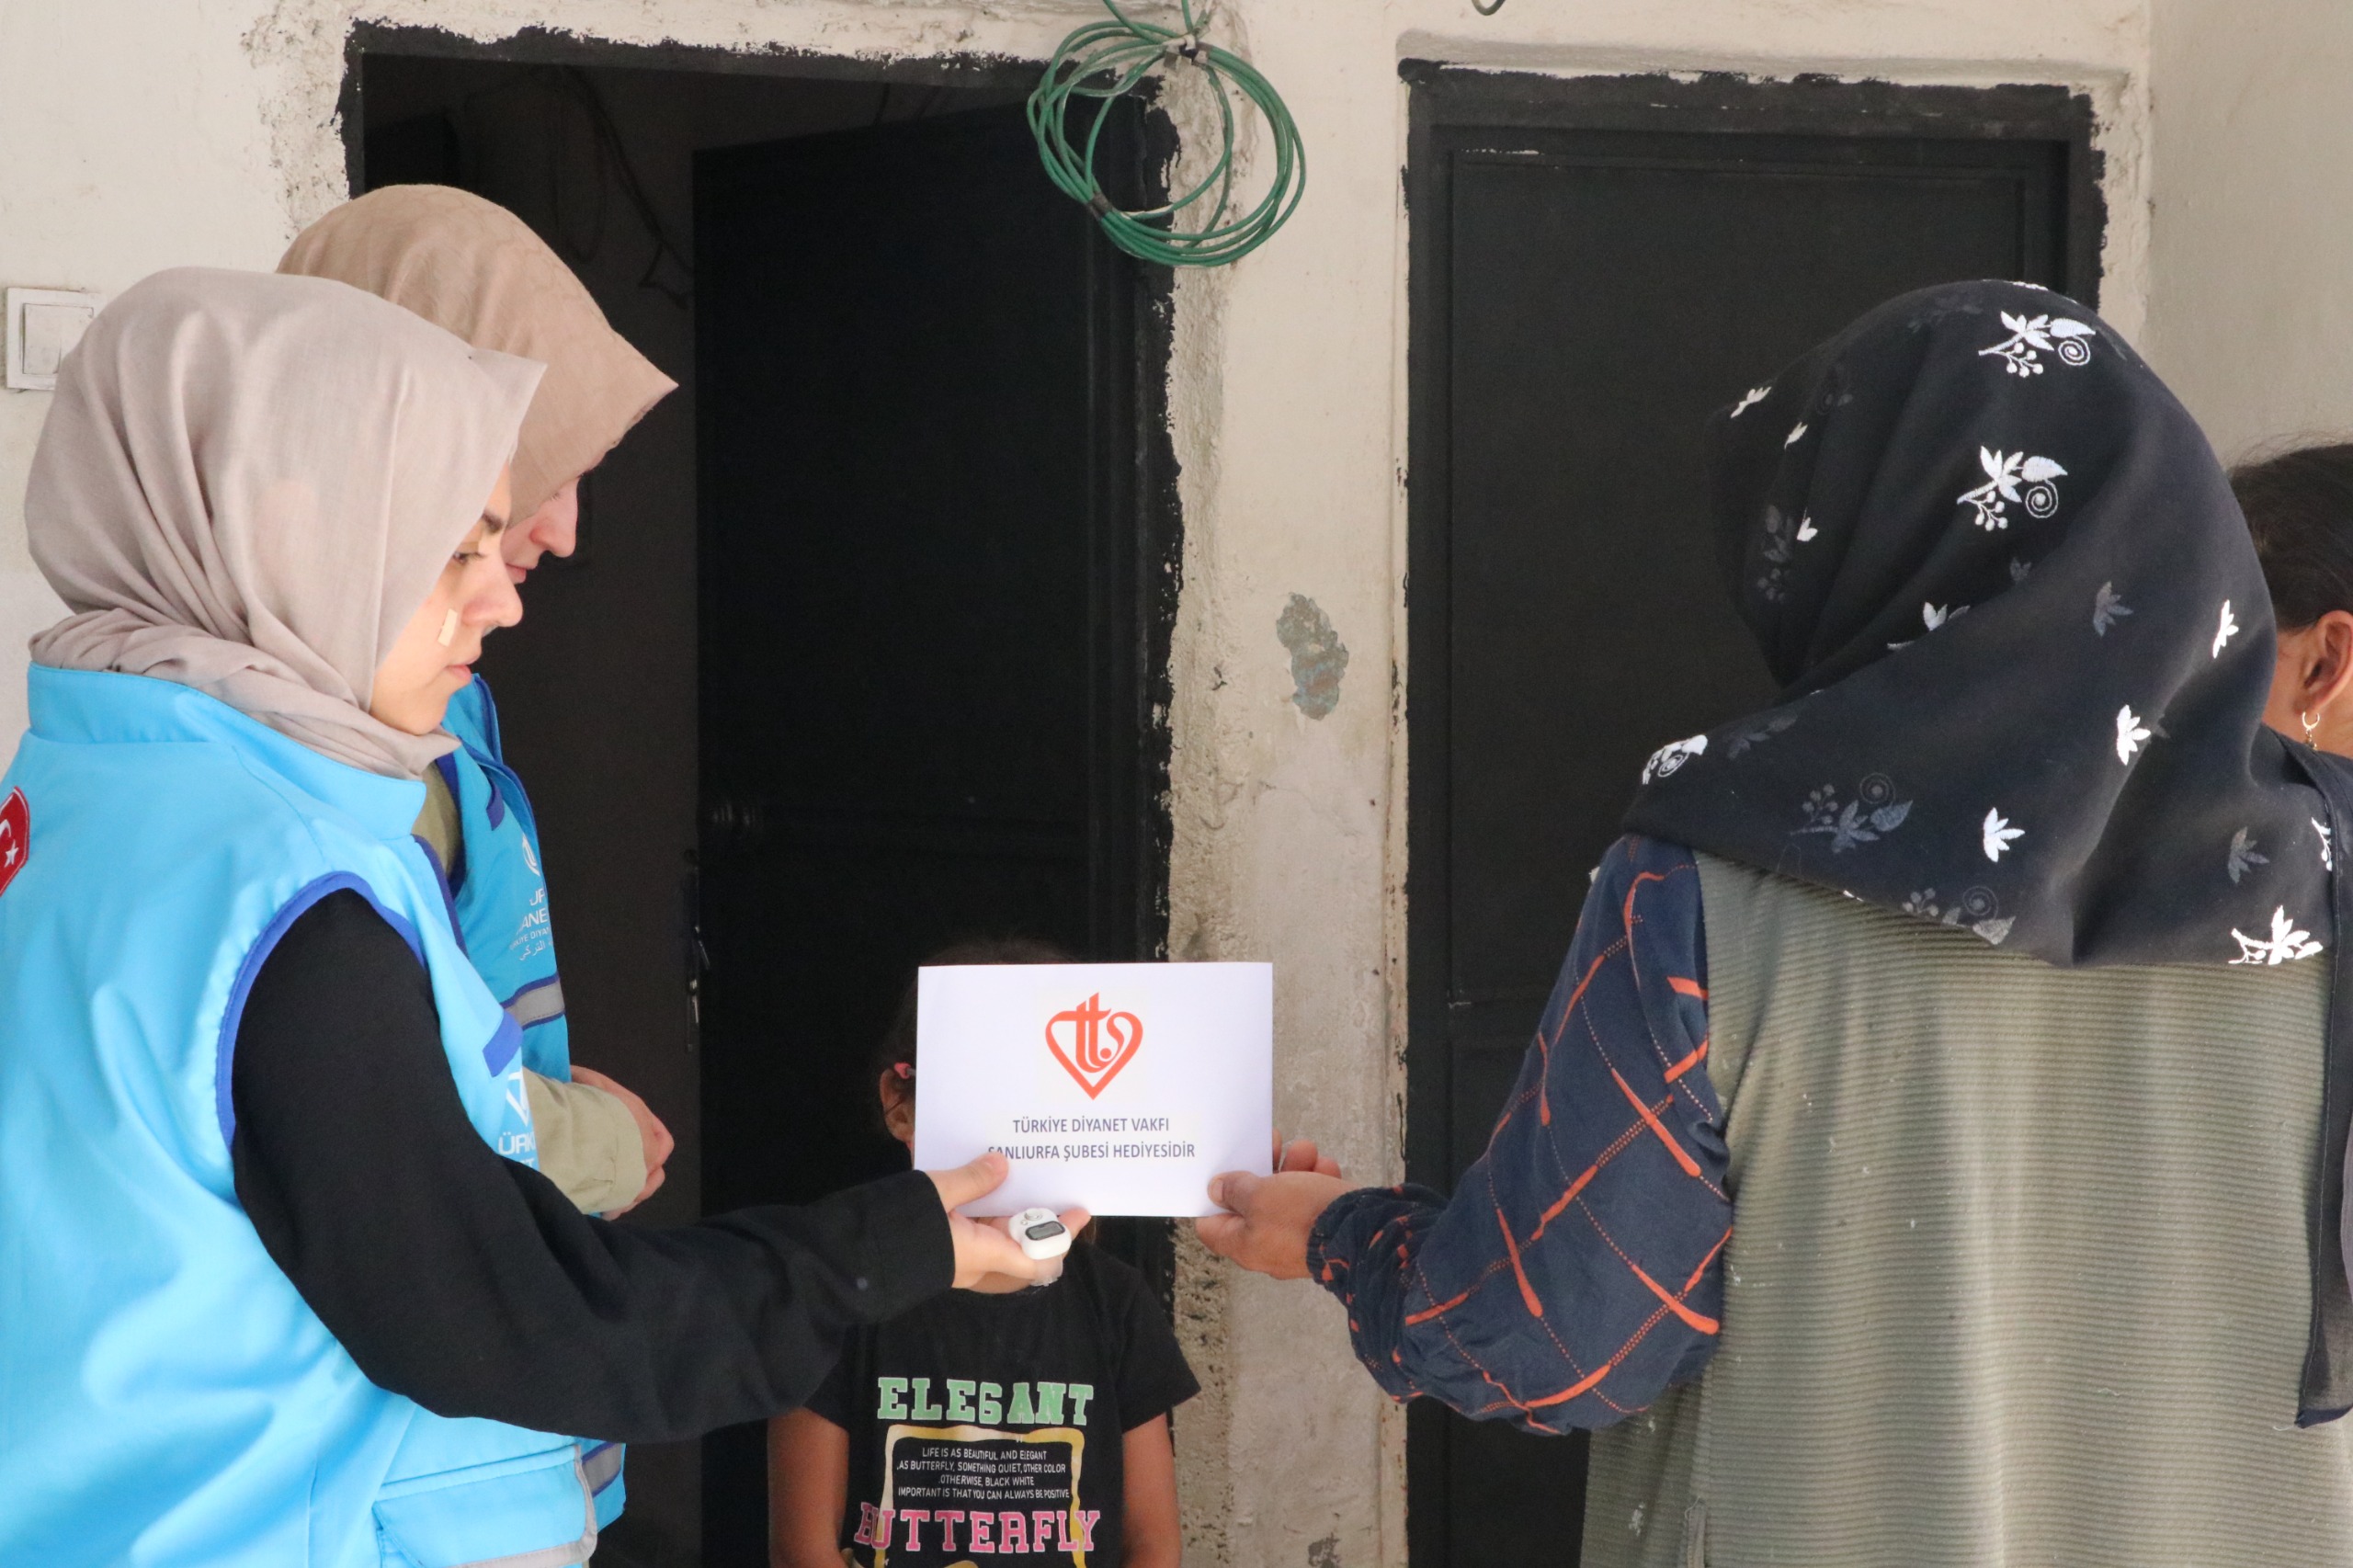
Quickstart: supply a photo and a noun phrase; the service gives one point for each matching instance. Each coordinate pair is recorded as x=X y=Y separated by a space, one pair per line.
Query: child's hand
x=982 y=1253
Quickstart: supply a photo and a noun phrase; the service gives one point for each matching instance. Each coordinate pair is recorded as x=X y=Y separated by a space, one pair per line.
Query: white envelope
x=1121 y=1086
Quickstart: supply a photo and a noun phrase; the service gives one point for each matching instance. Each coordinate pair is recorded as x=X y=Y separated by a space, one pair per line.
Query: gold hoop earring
x=2306 y=720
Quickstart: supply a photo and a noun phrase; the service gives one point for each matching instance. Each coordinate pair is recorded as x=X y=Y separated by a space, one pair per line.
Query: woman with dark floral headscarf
x=1936 y=1136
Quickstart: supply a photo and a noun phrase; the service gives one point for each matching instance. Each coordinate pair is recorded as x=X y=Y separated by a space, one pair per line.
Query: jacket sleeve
x=469 y=1283
x=1576 y=1272
x=586 y=1143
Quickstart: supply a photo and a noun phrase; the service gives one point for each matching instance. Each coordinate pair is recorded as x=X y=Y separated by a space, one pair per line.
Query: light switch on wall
x=43 y=326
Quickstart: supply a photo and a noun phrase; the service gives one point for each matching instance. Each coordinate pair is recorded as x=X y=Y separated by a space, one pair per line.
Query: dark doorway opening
x=865 y=649
x=1595 y=265
x=932 y=715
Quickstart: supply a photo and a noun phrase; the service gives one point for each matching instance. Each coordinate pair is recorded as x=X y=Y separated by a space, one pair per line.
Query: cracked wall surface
x=147 y=133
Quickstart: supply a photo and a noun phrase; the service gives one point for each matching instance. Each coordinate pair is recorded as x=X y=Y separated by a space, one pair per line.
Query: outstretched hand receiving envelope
x=1269 y=1217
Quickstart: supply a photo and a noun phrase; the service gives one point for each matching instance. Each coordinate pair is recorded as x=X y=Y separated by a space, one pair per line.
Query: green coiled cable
x=1108 y=60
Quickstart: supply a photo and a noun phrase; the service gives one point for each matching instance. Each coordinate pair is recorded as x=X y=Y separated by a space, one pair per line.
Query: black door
x=936 y=590
x=1596 y=266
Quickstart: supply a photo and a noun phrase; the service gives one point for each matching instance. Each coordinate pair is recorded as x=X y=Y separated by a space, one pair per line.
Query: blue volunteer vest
x=500 y=899
x=502 y=895
x=166 y=1397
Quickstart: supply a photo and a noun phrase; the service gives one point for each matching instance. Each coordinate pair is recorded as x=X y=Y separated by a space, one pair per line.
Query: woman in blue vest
x=280 y=1283
x=472 y=268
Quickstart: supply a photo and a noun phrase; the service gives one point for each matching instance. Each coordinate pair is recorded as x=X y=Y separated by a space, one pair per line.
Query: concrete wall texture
x=144 y=134
x=2253 y=219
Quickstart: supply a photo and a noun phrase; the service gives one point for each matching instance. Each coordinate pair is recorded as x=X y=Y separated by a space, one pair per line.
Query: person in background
x=2299 y=507
x=283 y=1288
x=1054 y=1399
x=474 y=269
x=1932 y=1141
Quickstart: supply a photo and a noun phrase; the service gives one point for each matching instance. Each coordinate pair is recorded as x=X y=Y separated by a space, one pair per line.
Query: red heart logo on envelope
x=1101 y=1043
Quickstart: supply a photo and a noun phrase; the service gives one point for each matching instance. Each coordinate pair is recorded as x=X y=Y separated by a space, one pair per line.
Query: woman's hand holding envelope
x=987 y=1259
x=1271 y=1215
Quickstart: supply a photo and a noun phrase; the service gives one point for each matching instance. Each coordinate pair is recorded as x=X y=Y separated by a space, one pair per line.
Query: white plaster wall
x=1289 y=830
x=129 y=141
x=141 y=133
x=2251 y=318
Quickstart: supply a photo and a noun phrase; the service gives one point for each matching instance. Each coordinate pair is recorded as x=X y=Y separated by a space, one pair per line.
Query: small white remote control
x=1040 y=1233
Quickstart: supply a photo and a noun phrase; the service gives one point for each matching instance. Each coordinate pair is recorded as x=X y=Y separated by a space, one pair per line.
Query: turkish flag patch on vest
x=16 y=838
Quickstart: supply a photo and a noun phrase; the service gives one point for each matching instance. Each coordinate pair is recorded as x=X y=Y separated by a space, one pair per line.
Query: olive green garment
x=2018 y=1272
x=440 y=824
x=588 y=1144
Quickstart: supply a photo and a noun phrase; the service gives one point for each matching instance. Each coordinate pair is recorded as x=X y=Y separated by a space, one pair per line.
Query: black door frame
x=1458 y=110
x=1137 y=562
x=543 y=46
x=1132 y=693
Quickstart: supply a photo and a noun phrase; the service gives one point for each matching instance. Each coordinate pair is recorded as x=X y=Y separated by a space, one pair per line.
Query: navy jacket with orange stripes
x=1574 y=1275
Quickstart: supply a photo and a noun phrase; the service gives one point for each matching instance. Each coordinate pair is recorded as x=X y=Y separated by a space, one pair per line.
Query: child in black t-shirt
x=1032 y=1422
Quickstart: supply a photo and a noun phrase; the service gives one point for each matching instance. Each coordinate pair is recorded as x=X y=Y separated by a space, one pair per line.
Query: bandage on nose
x=448 y=629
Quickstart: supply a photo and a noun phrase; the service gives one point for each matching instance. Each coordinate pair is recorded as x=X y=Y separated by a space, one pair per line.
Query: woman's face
x=554 y=529
x=434 y=658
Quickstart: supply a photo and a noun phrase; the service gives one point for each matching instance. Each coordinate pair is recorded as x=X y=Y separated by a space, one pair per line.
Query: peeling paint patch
x=1325 y=1553
x=1317 y=658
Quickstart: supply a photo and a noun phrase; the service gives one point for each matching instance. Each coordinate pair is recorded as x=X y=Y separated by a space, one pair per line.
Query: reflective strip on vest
x=600 y=1464
x=570 y=1553
x=537 y=1004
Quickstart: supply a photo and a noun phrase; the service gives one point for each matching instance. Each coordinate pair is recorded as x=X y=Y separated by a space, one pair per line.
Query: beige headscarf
x=476 y=269
x=248 y=483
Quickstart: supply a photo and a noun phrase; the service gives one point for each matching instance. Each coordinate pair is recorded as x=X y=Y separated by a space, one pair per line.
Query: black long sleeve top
x=467 y=1282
